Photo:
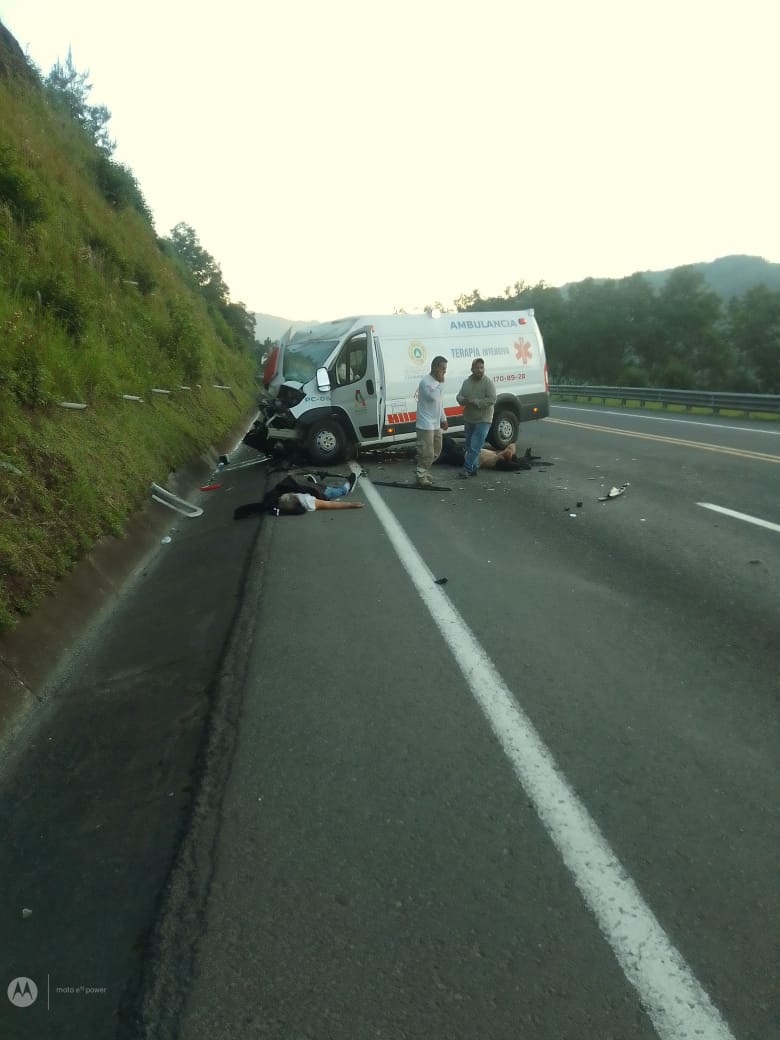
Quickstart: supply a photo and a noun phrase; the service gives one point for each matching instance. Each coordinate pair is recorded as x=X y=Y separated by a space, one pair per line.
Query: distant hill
x=727 y=276
x=269 y=326
x=731 y=275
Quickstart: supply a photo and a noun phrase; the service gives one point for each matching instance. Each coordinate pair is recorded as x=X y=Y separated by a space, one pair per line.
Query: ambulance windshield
x=301 y=360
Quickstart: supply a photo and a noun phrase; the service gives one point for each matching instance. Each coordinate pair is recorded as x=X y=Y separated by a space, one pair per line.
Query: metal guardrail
x=769 y=403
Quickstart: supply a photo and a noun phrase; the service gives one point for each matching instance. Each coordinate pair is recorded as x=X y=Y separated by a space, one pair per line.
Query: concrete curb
x=32 y=654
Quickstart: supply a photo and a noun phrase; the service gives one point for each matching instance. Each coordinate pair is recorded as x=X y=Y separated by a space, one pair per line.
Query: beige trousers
x=428 y=450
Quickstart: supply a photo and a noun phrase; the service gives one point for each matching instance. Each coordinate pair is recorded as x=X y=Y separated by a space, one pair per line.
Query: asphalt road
x=96 y=791
x=539 y=800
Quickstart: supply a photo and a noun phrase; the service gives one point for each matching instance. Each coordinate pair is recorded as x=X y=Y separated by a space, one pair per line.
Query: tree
x=70 y=89
x=234 y=323
x=242 y=323
x=754 y=330
x=640 y=329
x=201 y=265
x=469 y=301
x=549 y=306
x=595 y=335
x=691 y=316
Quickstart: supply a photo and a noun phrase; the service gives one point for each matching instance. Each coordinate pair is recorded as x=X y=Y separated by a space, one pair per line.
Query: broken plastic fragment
x=167 y=498
x=614 y=492
x=243 y=465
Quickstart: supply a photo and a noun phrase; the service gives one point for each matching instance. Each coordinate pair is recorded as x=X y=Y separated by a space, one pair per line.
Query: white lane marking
x=740 y=516
x=676 y=1002
x=661 y=418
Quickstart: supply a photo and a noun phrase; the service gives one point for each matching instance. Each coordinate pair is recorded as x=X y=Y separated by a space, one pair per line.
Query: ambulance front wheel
x=325 y=442
x=505 y=429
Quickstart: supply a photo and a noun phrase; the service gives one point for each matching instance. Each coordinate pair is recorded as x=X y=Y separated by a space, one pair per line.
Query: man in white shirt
x=431 y=420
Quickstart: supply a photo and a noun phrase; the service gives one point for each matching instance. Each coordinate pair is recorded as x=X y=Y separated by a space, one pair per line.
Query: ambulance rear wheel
x=505 y=429
x=325 y=442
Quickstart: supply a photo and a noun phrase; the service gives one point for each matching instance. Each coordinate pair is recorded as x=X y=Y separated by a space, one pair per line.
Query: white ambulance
x=351 y=384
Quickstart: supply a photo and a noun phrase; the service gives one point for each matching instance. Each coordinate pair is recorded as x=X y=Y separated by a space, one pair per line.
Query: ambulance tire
x=326 y=442
x=505 y=429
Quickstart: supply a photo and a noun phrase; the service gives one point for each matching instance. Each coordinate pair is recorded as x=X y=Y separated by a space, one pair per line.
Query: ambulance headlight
x=289 y=396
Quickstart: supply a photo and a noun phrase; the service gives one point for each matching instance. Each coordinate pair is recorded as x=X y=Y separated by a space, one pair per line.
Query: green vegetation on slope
x=94 y=306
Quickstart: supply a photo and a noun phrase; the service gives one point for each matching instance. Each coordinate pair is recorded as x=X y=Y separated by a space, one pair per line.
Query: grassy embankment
x=92 y=307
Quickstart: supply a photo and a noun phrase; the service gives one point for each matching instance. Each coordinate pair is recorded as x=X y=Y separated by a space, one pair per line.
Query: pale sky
x=348 y=157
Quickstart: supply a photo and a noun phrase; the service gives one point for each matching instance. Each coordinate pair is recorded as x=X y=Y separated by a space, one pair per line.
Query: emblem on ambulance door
x=416 y=352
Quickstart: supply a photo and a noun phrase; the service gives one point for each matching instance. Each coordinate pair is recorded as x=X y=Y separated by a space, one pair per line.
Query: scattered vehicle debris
x=242 y=465
x=167 y=498
x=614 y=492
x=411 y=487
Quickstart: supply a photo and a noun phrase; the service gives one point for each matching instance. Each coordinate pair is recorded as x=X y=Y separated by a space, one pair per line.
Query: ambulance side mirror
x=323 y=380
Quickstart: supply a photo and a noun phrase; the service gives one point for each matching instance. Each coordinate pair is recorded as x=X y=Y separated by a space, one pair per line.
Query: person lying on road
x=300 y=502
x=292 y=496
x=453 y=454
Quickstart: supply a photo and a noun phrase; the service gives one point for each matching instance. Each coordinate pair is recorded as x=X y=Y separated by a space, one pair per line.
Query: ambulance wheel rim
x=326 y=441
x=504 y=430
